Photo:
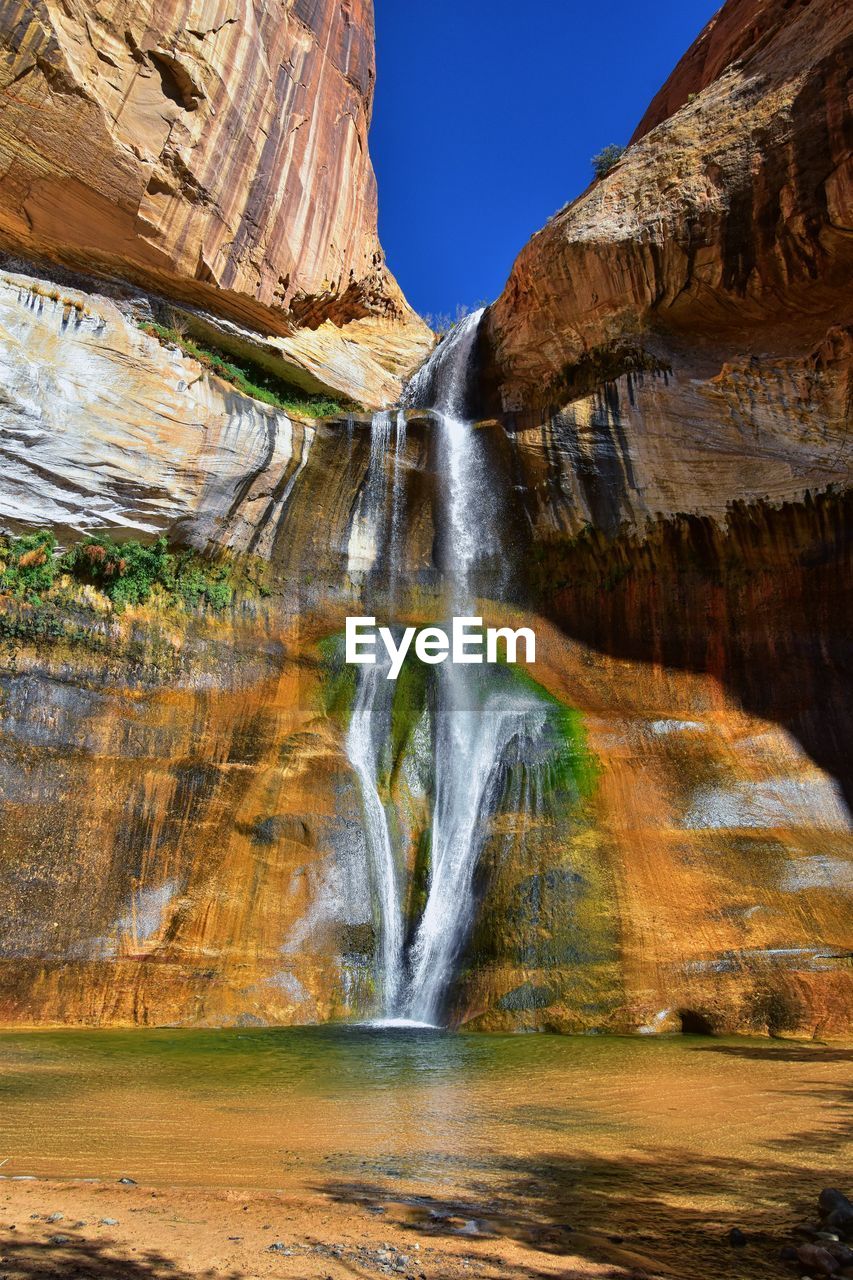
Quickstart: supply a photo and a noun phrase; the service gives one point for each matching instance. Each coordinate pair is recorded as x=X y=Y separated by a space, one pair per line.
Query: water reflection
x=254 y=1105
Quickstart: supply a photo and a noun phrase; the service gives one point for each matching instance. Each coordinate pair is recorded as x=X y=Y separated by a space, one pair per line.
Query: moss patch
x=338 y=682
x=251 y=379
x=410 y=700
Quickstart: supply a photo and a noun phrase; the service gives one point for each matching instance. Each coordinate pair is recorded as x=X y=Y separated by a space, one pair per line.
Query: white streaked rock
x=102 y=429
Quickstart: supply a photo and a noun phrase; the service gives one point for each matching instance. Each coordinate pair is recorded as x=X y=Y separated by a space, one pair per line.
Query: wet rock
x=819 y=1261
x=842 y=1254
x=830 y=1200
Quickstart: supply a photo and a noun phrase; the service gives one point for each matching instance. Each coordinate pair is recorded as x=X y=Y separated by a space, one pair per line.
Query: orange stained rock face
x=189 y=850
x=220 y=148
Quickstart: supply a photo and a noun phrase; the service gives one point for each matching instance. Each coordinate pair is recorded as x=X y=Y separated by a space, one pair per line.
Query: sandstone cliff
x=181 y=831
x=214 y=153
x=724 y=233
x=672 y=358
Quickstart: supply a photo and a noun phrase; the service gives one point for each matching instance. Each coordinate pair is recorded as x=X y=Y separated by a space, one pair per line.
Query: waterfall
x=475 y=718
x=366 y=528
x=397 y=555
x=367 y=731
x=472 y=735
x=474 y=726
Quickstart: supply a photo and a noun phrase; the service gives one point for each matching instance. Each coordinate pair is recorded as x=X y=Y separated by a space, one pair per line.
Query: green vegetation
x=251 y=379
x=568 y=769
x=441 y=322
x=125 y=573
x=339 y=683
x=28 y=565
x=607 y=159
x=128 y=572
x=411 y=693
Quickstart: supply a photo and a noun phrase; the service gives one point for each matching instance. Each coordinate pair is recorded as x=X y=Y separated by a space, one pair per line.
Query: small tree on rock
x=607 y=159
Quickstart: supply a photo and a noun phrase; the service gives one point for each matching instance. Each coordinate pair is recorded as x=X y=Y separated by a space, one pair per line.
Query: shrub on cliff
x=607 y=159
x=249 y=379
x=28 y=565
x=128 y=572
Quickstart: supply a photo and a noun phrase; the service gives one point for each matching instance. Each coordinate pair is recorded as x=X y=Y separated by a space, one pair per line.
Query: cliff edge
x=217 y=155
x=727 y=225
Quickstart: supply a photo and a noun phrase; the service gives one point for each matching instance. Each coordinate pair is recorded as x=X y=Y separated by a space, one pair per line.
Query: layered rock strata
x=726 y=227
x=215 y=154
x=181 y=832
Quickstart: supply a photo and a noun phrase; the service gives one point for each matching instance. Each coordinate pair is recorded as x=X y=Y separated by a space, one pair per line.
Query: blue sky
x=487 y=113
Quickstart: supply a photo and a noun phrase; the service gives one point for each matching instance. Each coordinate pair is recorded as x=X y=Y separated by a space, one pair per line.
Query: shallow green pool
x=657 y=1136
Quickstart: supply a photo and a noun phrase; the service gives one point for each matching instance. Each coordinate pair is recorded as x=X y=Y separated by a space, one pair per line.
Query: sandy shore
x=146 y=1233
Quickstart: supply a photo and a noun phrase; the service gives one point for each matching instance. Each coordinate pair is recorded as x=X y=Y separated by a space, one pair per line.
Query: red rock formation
x=692 y=308
x=213 y=152
x=728 y=221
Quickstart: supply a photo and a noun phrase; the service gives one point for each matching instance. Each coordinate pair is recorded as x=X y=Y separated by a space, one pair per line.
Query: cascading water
x=473 y=732
x=474 y=725
x=366 y=530
x=367 y=731
x=475 y=719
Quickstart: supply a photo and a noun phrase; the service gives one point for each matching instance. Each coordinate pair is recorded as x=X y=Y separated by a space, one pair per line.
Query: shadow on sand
x=26 y=1259
x=664 y=1211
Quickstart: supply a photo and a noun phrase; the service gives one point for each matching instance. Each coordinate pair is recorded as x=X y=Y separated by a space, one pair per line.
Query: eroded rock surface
x=727 y=224
x=183 y=842
x=182 y=832
x=103 y=429
x=216 y=153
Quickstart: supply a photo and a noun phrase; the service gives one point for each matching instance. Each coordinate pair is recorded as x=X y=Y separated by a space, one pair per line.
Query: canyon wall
x=668 y=373
x=724 y=233
x=182 y=833
x=672 y=358
x=211 y=153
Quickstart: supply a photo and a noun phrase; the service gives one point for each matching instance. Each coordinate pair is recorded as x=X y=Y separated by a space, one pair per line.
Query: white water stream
x=474 y=720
